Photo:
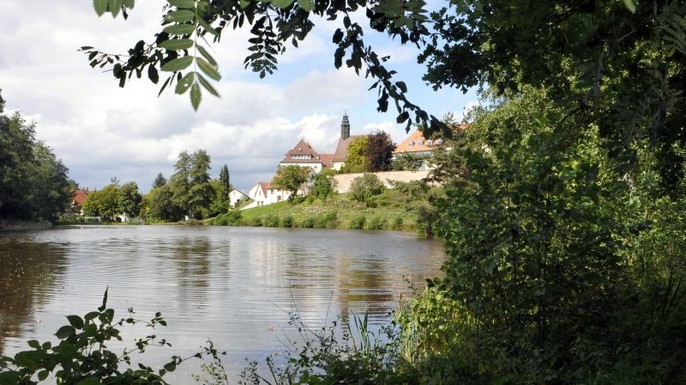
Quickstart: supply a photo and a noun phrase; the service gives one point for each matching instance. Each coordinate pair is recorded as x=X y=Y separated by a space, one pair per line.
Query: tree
x=355 y=161
x=159 y=181
x=224 y=178
x=161 y=206
x=33 y=183
x=323 y=185
x=291 y=178
x=379 y=152
x=103 y=203
x=129 y=199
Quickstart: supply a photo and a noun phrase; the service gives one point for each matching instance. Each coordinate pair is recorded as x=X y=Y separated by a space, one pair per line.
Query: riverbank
x=337 y=212
x=9 y=225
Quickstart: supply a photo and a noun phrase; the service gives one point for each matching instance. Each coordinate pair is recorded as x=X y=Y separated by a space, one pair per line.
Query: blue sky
x=102 y=131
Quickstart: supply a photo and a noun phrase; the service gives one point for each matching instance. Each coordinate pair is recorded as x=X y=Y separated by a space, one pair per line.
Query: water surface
x=233 y=285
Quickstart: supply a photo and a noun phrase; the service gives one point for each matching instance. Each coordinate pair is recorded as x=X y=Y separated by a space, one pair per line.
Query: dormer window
x=429 y=143
x=420 y=143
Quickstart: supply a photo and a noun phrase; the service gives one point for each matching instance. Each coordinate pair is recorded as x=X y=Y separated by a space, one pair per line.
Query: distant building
x=304 y=155
x=78 y=198
x=235 y=196
x=416 y=144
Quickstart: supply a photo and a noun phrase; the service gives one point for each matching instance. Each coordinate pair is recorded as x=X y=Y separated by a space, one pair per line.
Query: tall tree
x=379 y=152
x=159 y=181
x=224 y=178
x=129 y=199
x=33 y=182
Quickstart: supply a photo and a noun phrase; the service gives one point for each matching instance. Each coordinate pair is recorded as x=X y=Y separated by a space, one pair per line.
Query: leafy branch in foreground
x=273 y=24
x=82 y=355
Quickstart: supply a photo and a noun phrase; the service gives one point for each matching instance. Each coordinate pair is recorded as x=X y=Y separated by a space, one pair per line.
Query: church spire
x=345 y=127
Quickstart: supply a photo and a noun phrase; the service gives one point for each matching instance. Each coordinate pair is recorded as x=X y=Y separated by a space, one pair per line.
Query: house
x=78 y=198
x=416 y=144
x=263 y=194
x=304 y=155
x=235 y=196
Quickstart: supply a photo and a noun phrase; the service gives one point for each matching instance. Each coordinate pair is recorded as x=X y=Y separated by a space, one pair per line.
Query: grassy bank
x=389 y=211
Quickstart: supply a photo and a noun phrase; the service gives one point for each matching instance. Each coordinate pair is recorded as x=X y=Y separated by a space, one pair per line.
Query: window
x=420 y=143
x=429 y=143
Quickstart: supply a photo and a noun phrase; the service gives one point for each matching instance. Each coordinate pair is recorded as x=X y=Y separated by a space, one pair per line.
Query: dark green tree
x=201 y=192
x=224 y=178
x=33 y=182
x=159 y=181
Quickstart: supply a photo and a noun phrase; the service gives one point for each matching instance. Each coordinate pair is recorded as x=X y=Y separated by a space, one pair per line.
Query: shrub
x=377 y=223
x=397 y=223
x=308 y=222
x=257 y=222
x=272 y=220
x=328 y=220
x=287 y=221
x=363 y=188
x=358 y=222
x=82 y=356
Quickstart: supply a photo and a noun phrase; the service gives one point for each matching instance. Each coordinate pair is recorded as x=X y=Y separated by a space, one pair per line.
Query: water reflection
x=234 y=286
x=28 y=273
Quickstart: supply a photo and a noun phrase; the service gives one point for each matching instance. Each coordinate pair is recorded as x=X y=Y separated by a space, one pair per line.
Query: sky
x=101 y=131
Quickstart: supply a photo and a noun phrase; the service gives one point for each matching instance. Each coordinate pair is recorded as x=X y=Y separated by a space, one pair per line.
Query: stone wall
x=343 y=181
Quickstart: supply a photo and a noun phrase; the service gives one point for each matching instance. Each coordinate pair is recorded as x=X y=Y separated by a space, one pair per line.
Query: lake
x=232 y=285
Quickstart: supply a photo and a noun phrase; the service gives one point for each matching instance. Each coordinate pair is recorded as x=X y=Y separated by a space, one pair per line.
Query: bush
x=287 y=221
x=358 y=222
x=256 y=222
x=397 y=224
x=272 y=220
x=82 y=357
x=363 y=188
x=232 y=218
x=377 y=223
x=308 y=223
x=328 y=220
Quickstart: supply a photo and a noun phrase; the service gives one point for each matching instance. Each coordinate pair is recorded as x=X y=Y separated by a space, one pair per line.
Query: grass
x=385 y=212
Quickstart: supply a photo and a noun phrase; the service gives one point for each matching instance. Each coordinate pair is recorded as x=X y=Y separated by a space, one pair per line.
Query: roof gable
x=301 y=153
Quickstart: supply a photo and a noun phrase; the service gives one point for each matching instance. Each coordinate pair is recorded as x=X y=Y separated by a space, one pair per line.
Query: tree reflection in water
x=28 y=274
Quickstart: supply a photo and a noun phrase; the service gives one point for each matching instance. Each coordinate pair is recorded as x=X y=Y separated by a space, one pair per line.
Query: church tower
x=345 y=127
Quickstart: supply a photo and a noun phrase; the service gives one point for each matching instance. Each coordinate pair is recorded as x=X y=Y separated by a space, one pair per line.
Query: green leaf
x=206 y=26
x=42 y=375
x=206 y=55
x=114 y=7
x=185 y=83
x=65 y=332
x=129 y=3
x=208 y=69
x=177 y=44
x=100 y=6
x=180 y=29
x=75 y=321
x=182 y=15
x=282 y=3
x=208 y=86
x=307 y=5
x=177 y=64
x=182 y=3
x=244 y=3
x=630 y=5
x=34 y=344
x=195 y=96
x=402 y=86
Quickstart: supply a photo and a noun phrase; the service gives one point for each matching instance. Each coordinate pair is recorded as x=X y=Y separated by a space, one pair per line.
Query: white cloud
x=100 y=130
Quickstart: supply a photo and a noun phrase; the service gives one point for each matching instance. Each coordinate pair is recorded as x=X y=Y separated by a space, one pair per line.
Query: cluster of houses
x=304 y=155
